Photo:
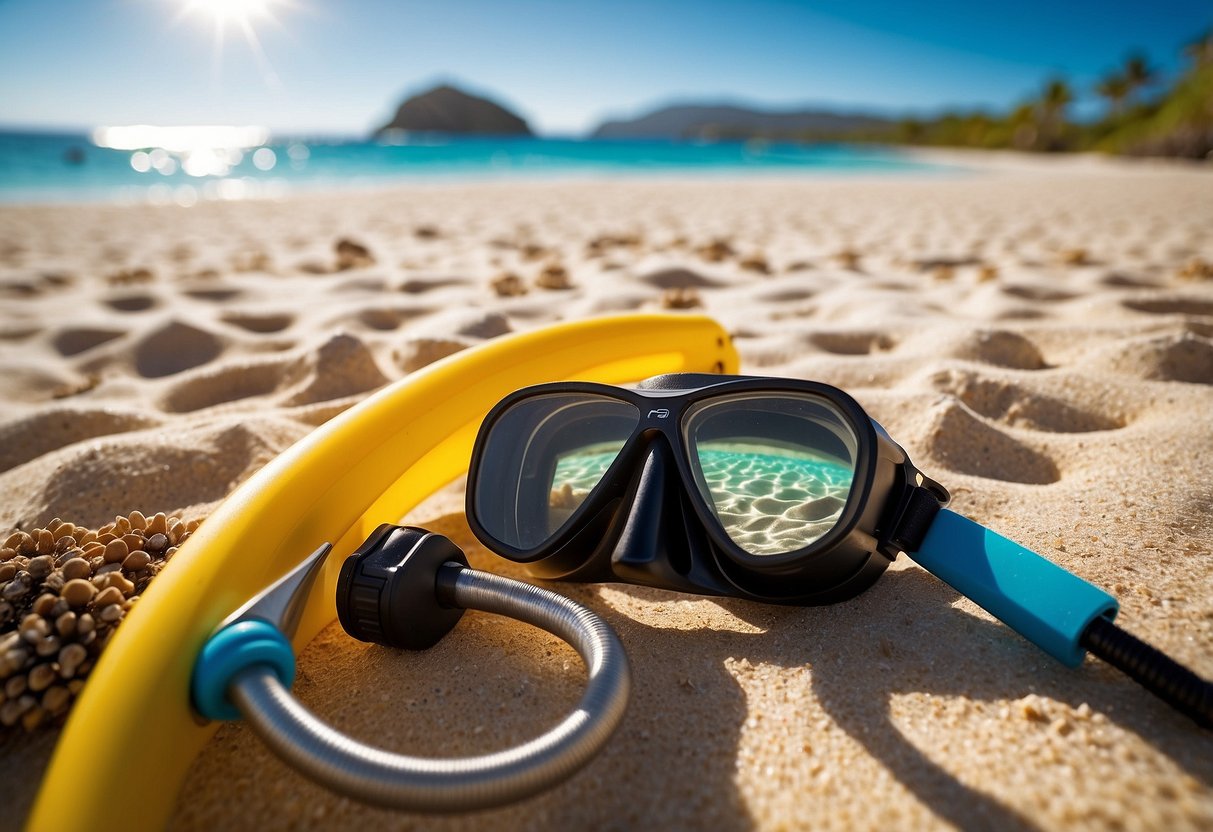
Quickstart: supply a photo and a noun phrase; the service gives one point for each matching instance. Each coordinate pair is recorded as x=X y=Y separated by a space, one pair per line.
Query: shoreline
x=947 y=162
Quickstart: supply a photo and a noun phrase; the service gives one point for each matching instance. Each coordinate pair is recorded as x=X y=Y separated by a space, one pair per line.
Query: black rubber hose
x=1154 y=670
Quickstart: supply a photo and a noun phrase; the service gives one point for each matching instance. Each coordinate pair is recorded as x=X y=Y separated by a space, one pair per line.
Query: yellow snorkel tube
x=370 y=465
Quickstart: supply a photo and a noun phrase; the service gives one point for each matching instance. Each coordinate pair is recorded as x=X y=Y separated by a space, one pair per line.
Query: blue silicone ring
x=231 y=650
x=1032 y=595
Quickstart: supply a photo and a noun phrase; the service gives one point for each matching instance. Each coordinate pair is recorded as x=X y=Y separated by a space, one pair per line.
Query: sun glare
x=242 y=16
x=240 y=13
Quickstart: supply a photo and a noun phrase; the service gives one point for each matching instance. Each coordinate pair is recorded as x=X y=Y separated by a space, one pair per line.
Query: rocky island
x=446 y=109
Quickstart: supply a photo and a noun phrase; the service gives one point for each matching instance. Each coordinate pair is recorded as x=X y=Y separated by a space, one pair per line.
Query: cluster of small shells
x=63 y=591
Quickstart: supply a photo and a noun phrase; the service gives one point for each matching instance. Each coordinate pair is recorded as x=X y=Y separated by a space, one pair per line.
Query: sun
x=239 y=13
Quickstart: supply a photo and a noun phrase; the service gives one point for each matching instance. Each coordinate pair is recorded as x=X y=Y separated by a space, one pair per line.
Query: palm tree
x=1115 y=88
x=1052 y=111
x=1138 y=74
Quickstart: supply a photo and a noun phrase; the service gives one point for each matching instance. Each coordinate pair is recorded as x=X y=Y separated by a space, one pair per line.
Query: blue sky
x=340 y=66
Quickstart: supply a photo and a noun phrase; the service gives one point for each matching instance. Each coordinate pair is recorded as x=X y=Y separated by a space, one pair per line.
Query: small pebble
x=65 y=624
x=44 y=604
x=17 y=587
x=715 y=251
x=116 y=551
x=41 y=677
x=70 y=658
x=18 y=542
x=756 y=263
x=118 y=581
x=7 y=571
x=78 y=592
x=157 y=542
x=76 y=568
x=40 y=566
x=109 y=595
x=69 y=554
x=678 y=297
x=110 y=613
x=34 y=628
x=45 y=542
x=136 y=560
x=554 y=276
x=506 y=285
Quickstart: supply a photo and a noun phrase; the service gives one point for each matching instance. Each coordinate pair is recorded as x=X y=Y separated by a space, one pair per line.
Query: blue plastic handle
x=1032 y=595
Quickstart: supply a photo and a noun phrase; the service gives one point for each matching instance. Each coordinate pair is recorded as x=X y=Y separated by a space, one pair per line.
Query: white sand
x=1025 y=333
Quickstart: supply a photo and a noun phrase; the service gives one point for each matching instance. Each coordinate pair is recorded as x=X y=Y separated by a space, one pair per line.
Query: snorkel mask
x=775 y=490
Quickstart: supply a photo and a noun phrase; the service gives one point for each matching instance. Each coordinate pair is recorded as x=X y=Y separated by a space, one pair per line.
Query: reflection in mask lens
x=777 y=470
x=577 y=472
x=542 y=459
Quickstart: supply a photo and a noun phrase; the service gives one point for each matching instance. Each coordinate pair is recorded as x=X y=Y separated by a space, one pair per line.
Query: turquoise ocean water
x=58 y=168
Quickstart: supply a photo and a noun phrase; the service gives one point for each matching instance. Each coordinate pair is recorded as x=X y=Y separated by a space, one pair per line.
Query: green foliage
x=1179 y=122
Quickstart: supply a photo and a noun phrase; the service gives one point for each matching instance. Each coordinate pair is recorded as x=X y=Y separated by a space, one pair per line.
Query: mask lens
x=775 y=468
x=542 y=459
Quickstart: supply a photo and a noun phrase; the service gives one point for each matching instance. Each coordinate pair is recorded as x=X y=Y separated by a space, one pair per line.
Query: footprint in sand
x=48 y=430
x=175 y=347
x=678 y=278
x=75 y=340
x=421 y=352
x=208 y=388
x=206 y=463
x=130 y=303
x=216 y=295
x=386 y=320
x=343 y=366
x=962 y=442
x=1038 y=292
x=852 y=343
x=1175 y=305
x=998 y=347
x=1016 y=406
x=261 y=323
x=418 y=286
x=1180 y=357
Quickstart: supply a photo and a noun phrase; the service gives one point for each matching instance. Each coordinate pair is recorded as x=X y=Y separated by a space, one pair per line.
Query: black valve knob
x=387 y=594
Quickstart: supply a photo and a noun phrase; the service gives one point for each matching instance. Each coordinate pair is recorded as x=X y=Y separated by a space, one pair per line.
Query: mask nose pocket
x=654 y=543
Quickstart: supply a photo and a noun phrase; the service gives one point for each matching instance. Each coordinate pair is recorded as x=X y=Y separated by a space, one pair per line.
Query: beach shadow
x=681 y=756
x=895 y=639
